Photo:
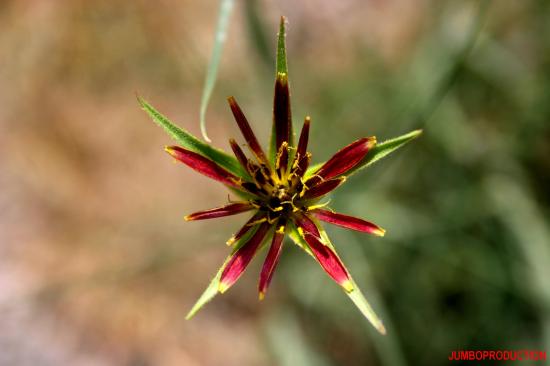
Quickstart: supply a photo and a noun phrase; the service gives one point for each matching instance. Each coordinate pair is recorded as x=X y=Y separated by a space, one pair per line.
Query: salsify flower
x=282 y=192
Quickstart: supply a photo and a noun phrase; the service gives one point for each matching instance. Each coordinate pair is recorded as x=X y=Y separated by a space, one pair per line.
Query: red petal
x=302 y=157
x=246 y=130
x=203 y=165
x=348 y=222
x=242 y=257
x=304 y=137
x=306 y=225
x=272 y=259
x=228 y=210
x=302 y=164
x=323 y=188
x=282 y=118
x=330 y=262
x=343 y=160
x=281 y=164
x=239 y=154
x=249 y=225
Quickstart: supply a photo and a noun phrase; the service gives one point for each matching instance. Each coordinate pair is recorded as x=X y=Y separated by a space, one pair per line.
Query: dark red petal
x=323 y=188
x=348 y=222
x=239 y=154
x=302 y=165
x=246 y=130
x=272 y=259
x=281 y=164
x=304 y=137
x=282 y=118
x=305 y=224
x=228 y=210
x=259 y=216
x=343 y=160
x=242 y=257
x=203 y=165
x=330 y=262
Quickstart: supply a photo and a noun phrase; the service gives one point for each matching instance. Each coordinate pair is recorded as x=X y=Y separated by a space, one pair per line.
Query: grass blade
x=226 y=8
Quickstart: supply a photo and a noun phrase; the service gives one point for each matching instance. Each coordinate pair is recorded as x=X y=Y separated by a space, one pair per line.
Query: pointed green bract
x=297 y=239
x=281 y=71
x=281 y=66
x=190 y=142
x=226 y=8
x=379 y=151
x=364 y=307
x=212 y=289
x=383 y=149
x=355 y=295
x=210 y=292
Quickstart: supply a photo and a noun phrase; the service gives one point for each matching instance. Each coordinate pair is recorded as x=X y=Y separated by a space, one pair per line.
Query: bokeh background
x=97 y=266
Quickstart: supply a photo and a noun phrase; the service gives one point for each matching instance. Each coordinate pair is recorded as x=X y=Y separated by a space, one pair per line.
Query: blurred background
x=97 y=266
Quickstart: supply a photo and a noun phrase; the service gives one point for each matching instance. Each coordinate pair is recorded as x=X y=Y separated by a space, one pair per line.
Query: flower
x=280 y=194
x=283 y=193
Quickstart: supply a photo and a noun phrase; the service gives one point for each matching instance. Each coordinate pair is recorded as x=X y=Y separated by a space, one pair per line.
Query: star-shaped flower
x=284 y=194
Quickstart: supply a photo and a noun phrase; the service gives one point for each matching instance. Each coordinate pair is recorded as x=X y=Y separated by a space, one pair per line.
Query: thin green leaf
x=212 y=289
x=188 y=141
x=226 y=8
x=379 y=151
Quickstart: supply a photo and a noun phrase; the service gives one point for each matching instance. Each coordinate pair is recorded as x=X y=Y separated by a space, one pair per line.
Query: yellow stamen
x=321 y=205
x=259 y=221
x=296 y=161
x=284 y=146
x=261 y=295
